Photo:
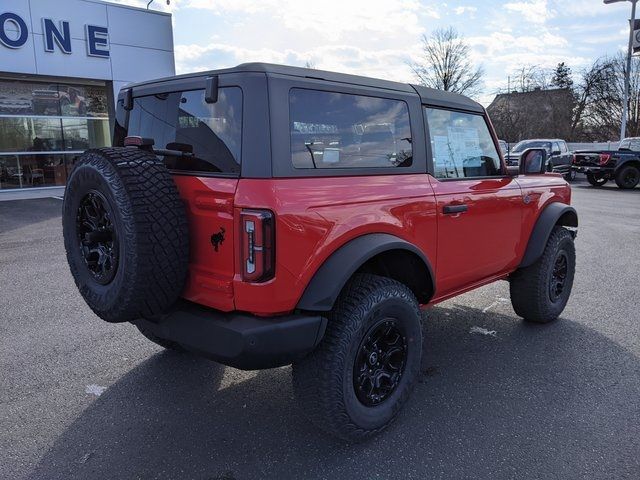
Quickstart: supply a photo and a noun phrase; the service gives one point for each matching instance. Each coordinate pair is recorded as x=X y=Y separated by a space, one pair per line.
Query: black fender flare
x=552 y=215
x=327 y=283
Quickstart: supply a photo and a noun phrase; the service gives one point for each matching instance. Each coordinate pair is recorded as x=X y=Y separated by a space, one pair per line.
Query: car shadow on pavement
x=513 y=400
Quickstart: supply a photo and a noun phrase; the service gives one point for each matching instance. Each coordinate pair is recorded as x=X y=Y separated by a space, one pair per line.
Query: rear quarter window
x=331 y=130
x=210 y=135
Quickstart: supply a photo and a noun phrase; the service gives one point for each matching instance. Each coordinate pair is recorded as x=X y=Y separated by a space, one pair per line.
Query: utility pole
x=625 y=95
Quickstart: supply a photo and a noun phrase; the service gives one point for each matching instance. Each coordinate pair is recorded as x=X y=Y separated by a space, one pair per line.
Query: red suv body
x=314 y=202
x=316 y=214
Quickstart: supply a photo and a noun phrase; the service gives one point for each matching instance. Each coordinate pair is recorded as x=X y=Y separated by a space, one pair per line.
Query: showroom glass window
x=45 y=127
x=339 y=130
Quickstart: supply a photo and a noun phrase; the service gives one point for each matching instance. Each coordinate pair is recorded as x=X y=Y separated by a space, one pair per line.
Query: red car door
x=479 y=207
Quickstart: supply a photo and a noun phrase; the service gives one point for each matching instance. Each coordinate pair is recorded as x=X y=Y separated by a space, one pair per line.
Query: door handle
x=451 y=209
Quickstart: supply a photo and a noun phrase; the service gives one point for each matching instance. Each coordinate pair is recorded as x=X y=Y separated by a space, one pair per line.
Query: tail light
x=573 y=159
x=258 y=245
x=604 y=158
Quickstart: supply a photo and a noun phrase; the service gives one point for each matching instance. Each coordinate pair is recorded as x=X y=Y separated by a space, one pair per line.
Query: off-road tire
x=596 y=181
x=150 y=233
x=628 y=177
x=324 y=380
x=168 y=344
x=530 y=286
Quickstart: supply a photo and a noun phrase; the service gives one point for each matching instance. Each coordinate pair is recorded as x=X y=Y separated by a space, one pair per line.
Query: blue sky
x=378 y=37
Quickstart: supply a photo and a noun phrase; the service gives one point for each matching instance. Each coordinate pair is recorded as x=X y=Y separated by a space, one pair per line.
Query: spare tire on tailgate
x=125 y=233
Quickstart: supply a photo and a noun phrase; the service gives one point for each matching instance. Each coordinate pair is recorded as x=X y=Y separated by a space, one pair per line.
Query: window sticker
x=465 y=146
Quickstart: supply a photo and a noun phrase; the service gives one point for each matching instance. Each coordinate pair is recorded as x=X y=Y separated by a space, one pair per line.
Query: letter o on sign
x=23 y=32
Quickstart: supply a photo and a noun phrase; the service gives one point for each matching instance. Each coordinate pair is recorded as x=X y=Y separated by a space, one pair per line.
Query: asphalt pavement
x=498 y=398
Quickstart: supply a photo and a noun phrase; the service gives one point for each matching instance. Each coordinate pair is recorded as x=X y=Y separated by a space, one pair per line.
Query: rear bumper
x=237 y=339
x=592 y=169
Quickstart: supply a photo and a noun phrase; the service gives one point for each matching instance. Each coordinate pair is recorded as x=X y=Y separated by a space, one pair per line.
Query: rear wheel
x=361 y=374
x=540 y=291
x=628 y=177
x=595 y=181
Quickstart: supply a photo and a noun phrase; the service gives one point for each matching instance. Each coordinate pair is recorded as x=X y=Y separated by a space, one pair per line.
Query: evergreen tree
x=562 y=76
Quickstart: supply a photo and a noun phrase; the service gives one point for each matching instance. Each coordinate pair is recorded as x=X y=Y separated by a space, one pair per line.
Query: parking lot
x=80 y=398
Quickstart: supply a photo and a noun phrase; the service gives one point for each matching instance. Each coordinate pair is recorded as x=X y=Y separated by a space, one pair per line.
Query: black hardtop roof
x=428 y=95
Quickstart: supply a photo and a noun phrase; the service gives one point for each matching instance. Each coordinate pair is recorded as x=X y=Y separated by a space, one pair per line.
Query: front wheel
x=595 y=181
x=628 y=177
x=540 y=291
x=361 y=374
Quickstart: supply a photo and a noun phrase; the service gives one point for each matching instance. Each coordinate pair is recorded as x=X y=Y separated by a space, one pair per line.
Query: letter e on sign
x=97 y=41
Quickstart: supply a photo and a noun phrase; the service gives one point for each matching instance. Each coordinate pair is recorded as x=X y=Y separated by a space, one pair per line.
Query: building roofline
x=128 y=7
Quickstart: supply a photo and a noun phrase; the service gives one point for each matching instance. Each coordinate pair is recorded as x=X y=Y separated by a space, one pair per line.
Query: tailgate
x=586 y=158
x=209 y=205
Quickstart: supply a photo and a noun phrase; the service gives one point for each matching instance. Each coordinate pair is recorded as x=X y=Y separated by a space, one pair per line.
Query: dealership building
x=62 y=64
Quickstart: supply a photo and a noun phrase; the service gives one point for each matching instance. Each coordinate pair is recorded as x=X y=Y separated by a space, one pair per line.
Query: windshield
x=531 y=144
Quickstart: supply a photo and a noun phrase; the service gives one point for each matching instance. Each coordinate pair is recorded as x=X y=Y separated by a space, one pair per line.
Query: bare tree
x=446 y=64
x=530 y=77
x=598 y=101
x=584 y=107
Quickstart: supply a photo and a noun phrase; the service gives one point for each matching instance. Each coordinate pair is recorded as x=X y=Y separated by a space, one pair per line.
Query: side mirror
x=533 y=161
x=556 y=152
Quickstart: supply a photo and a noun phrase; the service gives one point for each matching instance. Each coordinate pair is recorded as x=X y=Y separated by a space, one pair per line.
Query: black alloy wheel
x=558 y=276
x=628 y=177
x=97 y=237
x=379 y=363
x=354 y=384
x=596 y=181
x=125 y=233
x=540 y=291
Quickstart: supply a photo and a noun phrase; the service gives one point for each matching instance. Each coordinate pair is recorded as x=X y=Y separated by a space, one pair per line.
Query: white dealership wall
x=140 y=42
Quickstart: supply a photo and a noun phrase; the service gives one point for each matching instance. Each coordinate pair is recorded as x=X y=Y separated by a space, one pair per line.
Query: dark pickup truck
x=622 y=165
x=558 y=155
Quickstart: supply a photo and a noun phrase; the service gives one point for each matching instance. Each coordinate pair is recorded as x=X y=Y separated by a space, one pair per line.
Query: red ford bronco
x=265 y=215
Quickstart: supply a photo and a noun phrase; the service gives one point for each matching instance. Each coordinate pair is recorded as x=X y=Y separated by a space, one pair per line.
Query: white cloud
x=389 y=64
x=588 y=8
x=534 y=11
x=465 y=9
x=331 y=19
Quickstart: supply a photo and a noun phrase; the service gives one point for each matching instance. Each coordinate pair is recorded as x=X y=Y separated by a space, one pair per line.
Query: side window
x=555 y=147
x=210 y=135
x=339 y=130
x=563 y=147
x=461 y=144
